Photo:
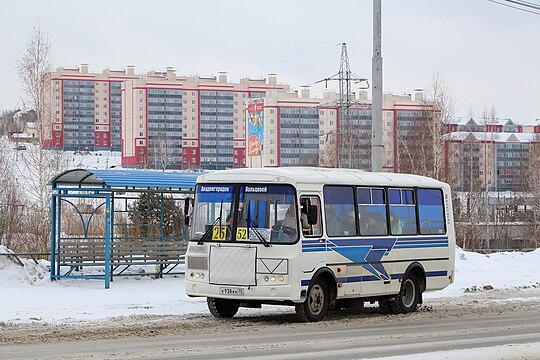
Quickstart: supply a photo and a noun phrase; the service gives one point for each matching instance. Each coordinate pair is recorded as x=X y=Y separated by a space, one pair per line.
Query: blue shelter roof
x=123 y=179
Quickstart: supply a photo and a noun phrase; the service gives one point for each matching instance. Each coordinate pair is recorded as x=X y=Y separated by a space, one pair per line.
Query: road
x=342 y=335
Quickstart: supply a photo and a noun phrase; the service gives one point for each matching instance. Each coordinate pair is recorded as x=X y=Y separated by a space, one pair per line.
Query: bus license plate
x=231 y=291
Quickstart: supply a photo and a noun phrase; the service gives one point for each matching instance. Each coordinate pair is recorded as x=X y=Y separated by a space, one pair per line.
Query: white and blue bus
x=318 y=239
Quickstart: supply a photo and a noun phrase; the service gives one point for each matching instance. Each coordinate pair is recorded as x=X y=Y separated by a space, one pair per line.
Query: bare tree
x=532 y=215
x=421 y=145
x=34 y=71
x=162 y=151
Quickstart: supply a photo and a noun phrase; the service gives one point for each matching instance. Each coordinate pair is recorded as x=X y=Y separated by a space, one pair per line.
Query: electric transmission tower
x=346 y=98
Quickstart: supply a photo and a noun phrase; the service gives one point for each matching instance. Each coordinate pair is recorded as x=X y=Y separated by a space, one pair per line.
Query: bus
x=318 y=239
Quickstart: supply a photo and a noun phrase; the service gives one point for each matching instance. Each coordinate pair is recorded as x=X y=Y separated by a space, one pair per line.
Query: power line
x=514 y=7
x=525 y=3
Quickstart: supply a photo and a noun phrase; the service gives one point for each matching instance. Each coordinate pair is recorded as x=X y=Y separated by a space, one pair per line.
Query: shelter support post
x=53 y=238
x=108 y=242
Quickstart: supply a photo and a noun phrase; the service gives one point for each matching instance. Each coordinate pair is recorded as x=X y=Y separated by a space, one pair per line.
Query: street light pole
x=376 y=107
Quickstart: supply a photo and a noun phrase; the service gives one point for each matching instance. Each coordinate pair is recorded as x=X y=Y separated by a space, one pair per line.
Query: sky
x=487 y=54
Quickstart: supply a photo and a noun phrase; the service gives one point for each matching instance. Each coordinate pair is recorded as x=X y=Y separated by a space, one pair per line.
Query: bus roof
x=312 y=175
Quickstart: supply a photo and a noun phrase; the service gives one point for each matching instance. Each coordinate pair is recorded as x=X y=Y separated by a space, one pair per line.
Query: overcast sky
x=489 y=54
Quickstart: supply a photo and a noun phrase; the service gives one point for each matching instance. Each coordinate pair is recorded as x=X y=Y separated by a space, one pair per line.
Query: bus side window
x=401 y=204
x=307 y=204
x=431 y=212
x=339 y=210
x=372 y=211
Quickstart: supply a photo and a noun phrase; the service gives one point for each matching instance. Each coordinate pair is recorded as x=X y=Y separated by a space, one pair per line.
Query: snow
x=29 y=296
x=505 y=270
x=510 y=351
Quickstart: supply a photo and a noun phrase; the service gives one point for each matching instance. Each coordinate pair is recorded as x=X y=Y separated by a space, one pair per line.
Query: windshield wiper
x=208 y=231
x=251 y=225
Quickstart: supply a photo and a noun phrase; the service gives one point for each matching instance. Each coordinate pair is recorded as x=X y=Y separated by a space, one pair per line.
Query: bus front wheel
x=316 y=304
x=222 y=308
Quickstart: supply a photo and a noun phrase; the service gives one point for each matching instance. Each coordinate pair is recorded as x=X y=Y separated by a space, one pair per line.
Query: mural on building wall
x=255 y=127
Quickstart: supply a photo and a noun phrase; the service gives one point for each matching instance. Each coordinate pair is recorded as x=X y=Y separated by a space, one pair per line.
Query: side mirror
x=187 y=203
x=312 y=214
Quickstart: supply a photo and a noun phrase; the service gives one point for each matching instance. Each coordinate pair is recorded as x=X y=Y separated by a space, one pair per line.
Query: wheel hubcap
x=409 y=293
x=316 y=300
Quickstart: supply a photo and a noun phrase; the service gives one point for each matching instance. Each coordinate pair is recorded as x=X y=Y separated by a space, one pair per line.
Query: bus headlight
x=273 y=280
x=196 y=275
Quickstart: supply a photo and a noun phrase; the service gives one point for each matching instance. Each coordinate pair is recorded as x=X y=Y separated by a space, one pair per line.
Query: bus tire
x=222 y=308
x=406 y=301
x=316 y=305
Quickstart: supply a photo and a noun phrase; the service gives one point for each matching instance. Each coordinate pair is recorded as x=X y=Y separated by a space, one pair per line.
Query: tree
x=421 y=144
x=146 y=212
x=532 y=216
x=34 y=71
x=161 y=151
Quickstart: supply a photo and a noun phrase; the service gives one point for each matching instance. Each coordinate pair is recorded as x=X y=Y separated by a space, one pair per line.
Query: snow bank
x=28 y=295
x=484 y=272
x=13 y=274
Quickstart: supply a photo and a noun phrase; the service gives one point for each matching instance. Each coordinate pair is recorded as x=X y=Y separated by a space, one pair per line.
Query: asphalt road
x=336 y=339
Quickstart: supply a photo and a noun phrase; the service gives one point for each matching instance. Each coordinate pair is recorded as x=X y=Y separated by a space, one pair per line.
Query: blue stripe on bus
x=418 y=246
x=353 y=279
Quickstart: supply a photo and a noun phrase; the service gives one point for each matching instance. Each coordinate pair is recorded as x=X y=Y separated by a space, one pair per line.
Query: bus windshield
x=245 y=213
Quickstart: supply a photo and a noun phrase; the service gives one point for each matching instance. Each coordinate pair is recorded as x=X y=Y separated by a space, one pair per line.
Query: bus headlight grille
x=197 y=262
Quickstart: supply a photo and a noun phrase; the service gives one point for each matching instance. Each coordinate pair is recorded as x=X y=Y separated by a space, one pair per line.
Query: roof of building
x=311 y=175
x=503 y=137
x=127 y=179
x=481 y=121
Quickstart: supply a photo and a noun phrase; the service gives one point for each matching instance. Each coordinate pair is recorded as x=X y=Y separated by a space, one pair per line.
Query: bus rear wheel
x=406 y=300
x=222 y=308
x=316 y=304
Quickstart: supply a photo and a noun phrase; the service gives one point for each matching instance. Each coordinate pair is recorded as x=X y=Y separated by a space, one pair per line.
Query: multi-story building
x=300 y=130
x=188 y=121
x=489 y=154
x=83 y=109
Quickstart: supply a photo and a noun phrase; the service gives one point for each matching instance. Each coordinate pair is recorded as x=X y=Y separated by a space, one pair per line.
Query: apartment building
x=299 y=130
x=490 y=154
x=83 y=109
x=172 y=121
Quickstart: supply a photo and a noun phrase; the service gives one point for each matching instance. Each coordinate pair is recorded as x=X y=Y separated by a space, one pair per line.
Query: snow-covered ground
x=27 y=294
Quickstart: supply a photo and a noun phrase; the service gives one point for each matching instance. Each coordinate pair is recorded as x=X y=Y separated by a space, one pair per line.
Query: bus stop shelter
x=106 y=223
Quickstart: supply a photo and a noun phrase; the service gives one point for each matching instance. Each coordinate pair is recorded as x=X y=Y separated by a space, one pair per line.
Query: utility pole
x=376 y=107
x=344 y=77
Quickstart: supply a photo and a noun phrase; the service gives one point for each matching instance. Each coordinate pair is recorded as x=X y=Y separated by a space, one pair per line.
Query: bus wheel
x=316 y=304
x=407 y=299
x=222 y=308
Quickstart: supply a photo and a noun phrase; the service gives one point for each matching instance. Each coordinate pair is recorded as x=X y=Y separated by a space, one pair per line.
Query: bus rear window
x=431 y=212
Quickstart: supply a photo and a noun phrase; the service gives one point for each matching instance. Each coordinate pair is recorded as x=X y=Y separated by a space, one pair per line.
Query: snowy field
x=28 y=296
